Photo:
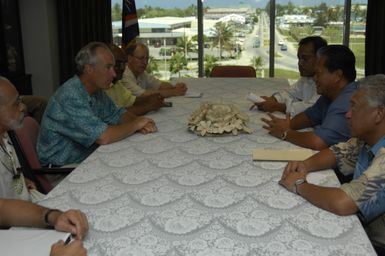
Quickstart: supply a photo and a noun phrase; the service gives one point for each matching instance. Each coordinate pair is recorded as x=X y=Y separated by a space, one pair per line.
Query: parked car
x=284 y=47
x=257 y=43
x=281 y=42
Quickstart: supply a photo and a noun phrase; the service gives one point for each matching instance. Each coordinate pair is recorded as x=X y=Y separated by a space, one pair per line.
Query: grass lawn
x=283 y=73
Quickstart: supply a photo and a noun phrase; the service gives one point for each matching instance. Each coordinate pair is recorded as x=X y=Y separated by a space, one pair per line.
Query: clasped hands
x=148 y=125
x=294 y=171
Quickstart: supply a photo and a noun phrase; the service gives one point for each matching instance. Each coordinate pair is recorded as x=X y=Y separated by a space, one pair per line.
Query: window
x=239 y=34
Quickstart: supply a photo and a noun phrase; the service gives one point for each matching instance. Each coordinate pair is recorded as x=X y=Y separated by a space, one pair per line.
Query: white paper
x=29 y=242
x=193 y=94
x=254 y=98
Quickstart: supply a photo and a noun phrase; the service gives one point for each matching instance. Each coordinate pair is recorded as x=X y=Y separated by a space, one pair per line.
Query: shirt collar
x=376 y=147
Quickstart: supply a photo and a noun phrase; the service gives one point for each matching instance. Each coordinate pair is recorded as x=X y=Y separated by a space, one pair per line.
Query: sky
x=230 y=3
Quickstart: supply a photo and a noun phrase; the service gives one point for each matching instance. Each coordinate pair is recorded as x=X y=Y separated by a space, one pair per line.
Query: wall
x=40 y=44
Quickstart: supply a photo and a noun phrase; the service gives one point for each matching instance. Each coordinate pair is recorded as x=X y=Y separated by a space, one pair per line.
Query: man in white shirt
x=139 y=82
x=302 y=94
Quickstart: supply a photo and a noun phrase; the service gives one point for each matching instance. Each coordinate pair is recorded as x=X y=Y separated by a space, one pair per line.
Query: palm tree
x=185 y=45
x=257 y=63
x=152 y=67
x=223 y=34
x=210 y=62
x=177 y=63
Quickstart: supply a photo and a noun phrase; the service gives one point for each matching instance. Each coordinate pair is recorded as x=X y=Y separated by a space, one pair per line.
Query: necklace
x=10 y=165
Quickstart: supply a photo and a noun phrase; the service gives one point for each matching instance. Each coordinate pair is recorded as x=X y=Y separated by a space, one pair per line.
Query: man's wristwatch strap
x=297 y=183
x=46 y=216
x=284 y=135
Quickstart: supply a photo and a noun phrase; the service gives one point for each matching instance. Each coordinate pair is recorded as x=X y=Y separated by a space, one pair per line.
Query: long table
x=176 y=193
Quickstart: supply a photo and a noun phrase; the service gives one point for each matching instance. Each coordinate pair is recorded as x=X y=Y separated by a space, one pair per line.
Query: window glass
x=357 y=35
x=169 y=30
x=239 y=33
x=296 y=21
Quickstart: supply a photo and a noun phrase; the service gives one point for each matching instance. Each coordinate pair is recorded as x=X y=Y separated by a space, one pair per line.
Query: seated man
x=13 y=185
x=302 y=94
x=22 y=213
x=363 y=155
x=136 y=79
x=26 y=214
x=80 y=116
x=334 y=77
x=122 y=96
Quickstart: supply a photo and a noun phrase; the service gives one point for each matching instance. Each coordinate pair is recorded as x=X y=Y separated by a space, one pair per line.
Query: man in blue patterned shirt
x=80 y=116
x=363 y=155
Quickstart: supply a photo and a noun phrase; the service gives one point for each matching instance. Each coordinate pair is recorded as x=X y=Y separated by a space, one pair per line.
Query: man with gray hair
x=80 y=116
x=139 y=82
x=363 y=155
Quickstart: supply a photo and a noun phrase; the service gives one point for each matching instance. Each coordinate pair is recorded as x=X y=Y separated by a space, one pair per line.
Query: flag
x=130 y=27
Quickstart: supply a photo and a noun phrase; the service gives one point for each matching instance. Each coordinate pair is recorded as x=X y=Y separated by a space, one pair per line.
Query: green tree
x=222 y=36
x=152 y=67
x=290 y=8
x=177 y=63
x=116 y=12
x=321 y=15
x=210 y=62
x=185 y=45
x=257 y=63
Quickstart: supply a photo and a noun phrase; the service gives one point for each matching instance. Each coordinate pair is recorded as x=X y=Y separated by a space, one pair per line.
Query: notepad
x=29 y=242
x=282 y=155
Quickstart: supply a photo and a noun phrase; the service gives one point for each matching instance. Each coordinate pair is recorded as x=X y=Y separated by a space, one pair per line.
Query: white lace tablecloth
x=176 y=193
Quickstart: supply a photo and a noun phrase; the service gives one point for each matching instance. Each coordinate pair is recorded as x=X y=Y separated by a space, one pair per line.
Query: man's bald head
x=120 y=61
x=11 y=109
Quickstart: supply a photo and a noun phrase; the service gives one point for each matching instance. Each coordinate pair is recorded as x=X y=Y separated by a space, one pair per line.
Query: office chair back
x=25 y=141
x=233 y=71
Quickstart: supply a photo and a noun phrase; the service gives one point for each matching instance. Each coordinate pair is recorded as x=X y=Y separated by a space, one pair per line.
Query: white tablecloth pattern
x=176 y=193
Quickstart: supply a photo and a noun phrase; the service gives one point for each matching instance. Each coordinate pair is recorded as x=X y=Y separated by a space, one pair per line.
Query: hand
x=148 y=125
x=288 y=179
x=180 y=89
x=75 y=248
x=276 y=126
x=30 y=184
x=73 y=221
x=155 y=101
x=295 y=166
x=269 y=105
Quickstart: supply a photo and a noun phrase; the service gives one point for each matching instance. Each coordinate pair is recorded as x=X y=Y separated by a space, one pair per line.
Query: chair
x=233 y=71
x=24 y=141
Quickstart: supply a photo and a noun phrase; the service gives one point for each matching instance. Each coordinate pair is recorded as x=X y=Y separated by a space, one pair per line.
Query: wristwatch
x=297 y=183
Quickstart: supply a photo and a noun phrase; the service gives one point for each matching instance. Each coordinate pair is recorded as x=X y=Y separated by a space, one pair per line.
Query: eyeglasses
x=141 y=59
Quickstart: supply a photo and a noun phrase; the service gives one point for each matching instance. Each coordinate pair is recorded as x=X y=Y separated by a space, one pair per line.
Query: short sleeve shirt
x=299 y=96
x=72 y=122
x=367 y=190
x=138 y=85
x=121 y=95
x=328 y=116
